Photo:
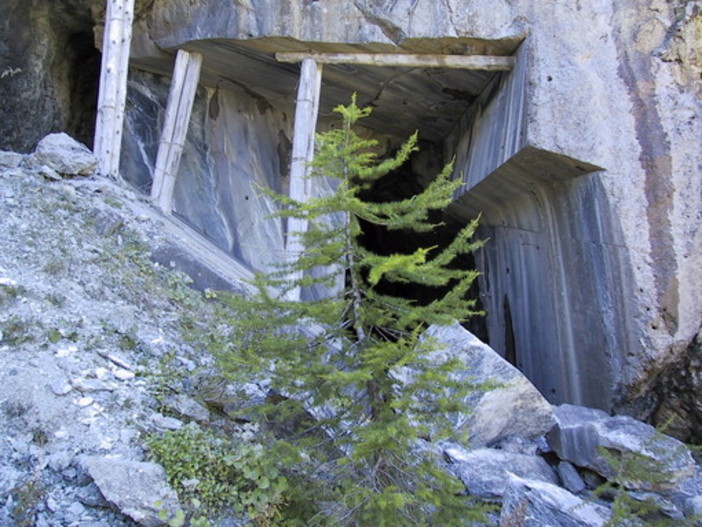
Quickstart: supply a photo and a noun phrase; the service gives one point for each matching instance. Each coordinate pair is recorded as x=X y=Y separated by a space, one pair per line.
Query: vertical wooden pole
x=186 y=75
x=112 y=96
x=306 y=110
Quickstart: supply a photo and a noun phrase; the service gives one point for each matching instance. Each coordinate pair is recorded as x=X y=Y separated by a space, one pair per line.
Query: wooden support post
x=467 y=62
x=186 y=75
x=306 y=110
x=112 y=96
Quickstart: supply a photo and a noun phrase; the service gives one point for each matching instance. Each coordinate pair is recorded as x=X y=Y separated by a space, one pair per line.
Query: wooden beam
x=306 y=110
x=186 y=75
x=468 y=62
x=112 y=96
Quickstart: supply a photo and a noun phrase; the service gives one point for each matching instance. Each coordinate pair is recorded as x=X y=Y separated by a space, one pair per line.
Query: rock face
x=49 y=71
x=510 y=407
x=678 y=406
x=230 y=152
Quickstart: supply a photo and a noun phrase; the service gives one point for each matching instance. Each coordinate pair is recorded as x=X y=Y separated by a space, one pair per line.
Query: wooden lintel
x=468 y=62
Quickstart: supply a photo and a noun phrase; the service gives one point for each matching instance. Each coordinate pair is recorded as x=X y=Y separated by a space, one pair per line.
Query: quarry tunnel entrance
x=241 y=134
x=406 y=93
x=51 y=58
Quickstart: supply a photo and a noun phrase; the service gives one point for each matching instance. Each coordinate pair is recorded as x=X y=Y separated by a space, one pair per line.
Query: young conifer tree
x=356 y=360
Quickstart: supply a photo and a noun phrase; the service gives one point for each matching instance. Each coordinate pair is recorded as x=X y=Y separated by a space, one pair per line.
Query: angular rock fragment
x=84 y=385
x=620 y=448
x=139 y=490
x=531 y=503
x=189 y=407
x=570 y=478
x=65 y=155
x=60 y=387
x=511 y=407
x=485 y=471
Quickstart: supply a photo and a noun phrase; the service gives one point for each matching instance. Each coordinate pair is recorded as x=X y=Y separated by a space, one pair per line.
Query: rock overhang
x=404 y=99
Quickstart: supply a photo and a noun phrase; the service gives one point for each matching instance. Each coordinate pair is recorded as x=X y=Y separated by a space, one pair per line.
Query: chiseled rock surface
x=581 y=435
x=532 y=503
x=485 y=471
x=138 y=489
x=63 y=154
x=221 y=168
x=512 y=408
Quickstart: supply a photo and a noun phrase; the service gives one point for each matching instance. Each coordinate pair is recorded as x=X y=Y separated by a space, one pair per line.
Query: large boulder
x=504 y=403
x=531 y=503
x=137 y=489
x=485 y=471
x=65 y=155
x=620 y=448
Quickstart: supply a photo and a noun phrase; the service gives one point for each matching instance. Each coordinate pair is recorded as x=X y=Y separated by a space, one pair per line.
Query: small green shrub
x=54 y=335
x=639 y=508
x=26 y=498
x=15 y=331
x=219 y=473
x=55 y=266
x=56 y=299
x=10 y=292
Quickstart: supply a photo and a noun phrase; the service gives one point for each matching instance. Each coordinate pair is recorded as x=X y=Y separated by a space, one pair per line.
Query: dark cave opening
x=83 y=83
x=75 y=69
x=401 y=184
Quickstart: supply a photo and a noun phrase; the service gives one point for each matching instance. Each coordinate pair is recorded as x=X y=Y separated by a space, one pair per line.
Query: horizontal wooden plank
x=468 y=62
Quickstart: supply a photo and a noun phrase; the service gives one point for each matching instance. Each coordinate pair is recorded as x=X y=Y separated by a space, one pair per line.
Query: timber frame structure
x=185 y=79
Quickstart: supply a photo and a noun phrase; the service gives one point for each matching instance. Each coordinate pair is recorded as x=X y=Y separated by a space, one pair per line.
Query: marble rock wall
x=235 y=145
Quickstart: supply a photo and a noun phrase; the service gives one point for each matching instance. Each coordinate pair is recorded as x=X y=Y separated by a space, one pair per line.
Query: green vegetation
x=212 y=473
x=631 y=507
x=355 y=391
x=16 y=330
x=26 y=499
x=9 y=293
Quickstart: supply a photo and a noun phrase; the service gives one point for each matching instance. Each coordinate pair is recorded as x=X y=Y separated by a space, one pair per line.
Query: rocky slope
x=87 y=322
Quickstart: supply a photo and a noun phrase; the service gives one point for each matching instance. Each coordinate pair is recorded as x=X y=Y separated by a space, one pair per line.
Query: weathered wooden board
x=112 y=95
x=186 y=75
x=306 y=111
x=467 y=62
